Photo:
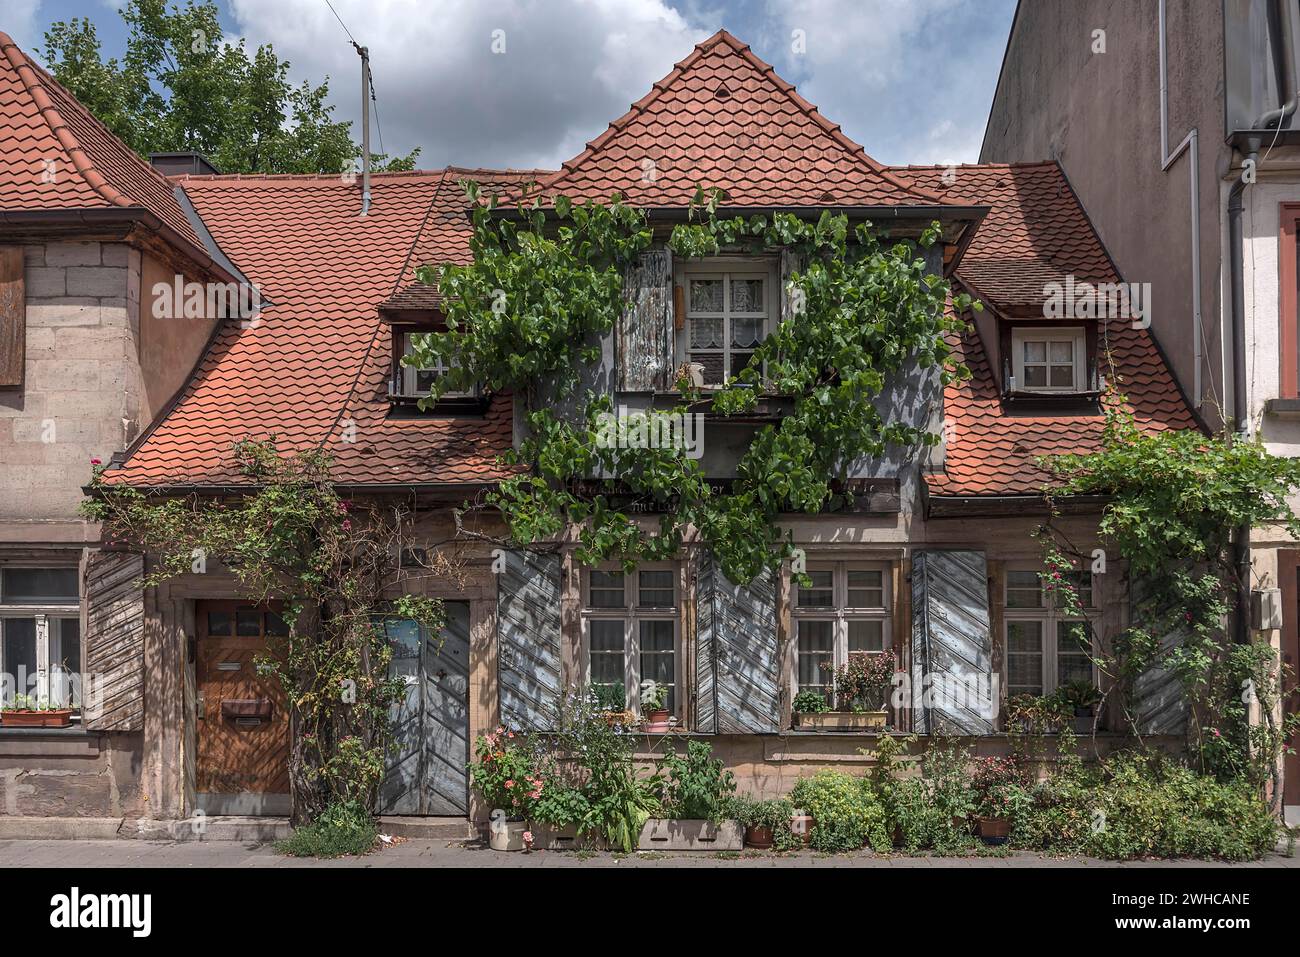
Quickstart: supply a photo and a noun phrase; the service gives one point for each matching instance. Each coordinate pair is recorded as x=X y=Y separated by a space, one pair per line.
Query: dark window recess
x=219 y=623
x=407 y=385
x=39 y=586
x=248 y=622
x=276 y=626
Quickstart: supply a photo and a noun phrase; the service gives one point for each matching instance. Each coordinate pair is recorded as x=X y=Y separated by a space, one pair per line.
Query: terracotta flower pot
x=658 y=722
x=759 y=837
x=993 y=830
x=58 y=718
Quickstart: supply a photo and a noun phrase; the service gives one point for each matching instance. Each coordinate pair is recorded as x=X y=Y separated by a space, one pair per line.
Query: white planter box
x=666 y=834
x=508 y=836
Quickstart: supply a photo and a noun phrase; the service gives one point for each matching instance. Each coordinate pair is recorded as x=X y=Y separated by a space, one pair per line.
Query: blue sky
x=911 y=80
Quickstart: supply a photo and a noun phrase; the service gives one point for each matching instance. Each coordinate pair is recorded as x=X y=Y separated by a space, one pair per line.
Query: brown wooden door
x=243 y=726
x=1288 y=571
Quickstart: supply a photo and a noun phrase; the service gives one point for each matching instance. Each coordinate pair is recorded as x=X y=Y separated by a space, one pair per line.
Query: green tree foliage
x=181 y=86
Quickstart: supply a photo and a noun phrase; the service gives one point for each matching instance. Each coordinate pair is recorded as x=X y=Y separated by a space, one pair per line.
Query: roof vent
x=722 y=93
x=827 y=197
x=182 y=163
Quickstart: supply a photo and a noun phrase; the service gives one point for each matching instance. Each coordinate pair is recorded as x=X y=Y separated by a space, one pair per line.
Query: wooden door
x=1288 y=572
x=430 y=749
x=243 y=723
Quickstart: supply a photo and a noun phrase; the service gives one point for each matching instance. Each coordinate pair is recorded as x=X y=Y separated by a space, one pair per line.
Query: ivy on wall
x=542 y=290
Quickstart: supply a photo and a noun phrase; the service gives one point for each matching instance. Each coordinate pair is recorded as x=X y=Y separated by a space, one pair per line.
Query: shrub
x=344 y=828
x=775 y=814
x=845 y=811
x=811 y=702
x=507 y=772
x=694 y=787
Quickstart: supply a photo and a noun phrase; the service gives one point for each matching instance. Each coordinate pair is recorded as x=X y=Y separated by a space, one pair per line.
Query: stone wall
x=65 y=774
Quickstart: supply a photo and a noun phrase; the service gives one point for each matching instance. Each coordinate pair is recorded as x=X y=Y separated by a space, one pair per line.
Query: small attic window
x=722 y=93
x=408 y=385
x=1049 y=360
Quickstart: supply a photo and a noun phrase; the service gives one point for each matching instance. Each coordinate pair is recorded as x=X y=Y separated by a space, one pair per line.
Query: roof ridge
x=1022 y=163
x=50 y=114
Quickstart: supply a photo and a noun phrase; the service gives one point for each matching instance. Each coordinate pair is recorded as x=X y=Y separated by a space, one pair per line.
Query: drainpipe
x=1189 y=145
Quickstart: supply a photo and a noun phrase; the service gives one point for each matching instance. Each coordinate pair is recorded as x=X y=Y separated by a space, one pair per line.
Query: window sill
x=1282 y=408
x=1089 y=402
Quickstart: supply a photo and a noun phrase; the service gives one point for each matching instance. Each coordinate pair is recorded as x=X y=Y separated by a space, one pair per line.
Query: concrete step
x=427 y=828
x=248 y=830
x=18 y=828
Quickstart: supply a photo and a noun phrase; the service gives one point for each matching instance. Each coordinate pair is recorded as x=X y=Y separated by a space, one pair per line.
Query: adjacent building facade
x=932 y=560
x=1176 y=122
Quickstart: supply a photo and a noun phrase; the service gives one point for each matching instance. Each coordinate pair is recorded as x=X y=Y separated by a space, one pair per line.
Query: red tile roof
x=1035 y=230
x=723 y=118
x=58 y=156
x=293 y=373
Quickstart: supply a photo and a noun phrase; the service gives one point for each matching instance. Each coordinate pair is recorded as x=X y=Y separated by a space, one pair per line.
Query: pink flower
x=347 y=525
x=96 y=462
x=510 y=784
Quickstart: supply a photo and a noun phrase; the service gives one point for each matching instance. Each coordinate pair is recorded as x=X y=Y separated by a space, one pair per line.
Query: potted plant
x=695 y=796
x=806 y=705
x=29 y=712
x=861 y=694
x=654 y=706
x=611 y=702
x=762 y=820
x=1079 y=700
x=504 y=772
x=998 y=784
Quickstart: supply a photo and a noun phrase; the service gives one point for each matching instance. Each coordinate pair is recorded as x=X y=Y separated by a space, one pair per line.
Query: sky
x=526 y=83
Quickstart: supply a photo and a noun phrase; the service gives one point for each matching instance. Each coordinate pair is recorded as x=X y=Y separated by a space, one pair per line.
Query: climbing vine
x=1173 y=501
x=526 y=316
x=334 y=565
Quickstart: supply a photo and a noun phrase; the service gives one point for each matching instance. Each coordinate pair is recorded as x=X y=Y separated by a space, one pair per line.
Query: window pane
x=275 y=625
x=404 y=638
x=1024 y=657
x=746 y=295
x=1073 y=657
x=655 y=589
x=866 y=589
x=816 y=648
x=713 y=367
x=739 y=360
x=866 y=635
x=606 y=652
x=65 y=662
x=1024 y=590
x=38 y=586
x=19 y=655
x=706 y=333
x=1063 y=352
x=822 y=592
x=746 y=333
x=219 y=623
x=248 y=622
x=605 y=590
x=706 y=295
x=1035 y=351
x=1062 y=377
x=1035 y=377
x=657 y=657
x=1082 y=583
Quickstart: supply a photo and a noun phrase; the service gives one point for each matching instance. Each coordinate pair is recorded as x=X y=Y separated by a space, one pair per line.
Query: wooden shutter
x=791 y=262
x=528 y=641
x=737 y=655
x=13 y=316
x=1158 y=700
x=645 y=327
x=113 y=689
x=952 y=644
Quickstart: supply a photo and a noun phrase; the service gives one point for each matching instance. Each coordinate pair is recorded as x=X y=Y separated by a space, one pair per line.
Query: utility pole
x=365 y=127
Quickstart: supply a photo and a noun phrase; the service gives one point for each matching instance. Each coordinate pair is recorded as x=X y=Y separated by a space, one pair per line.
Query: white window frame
x=1050 y=617
x=48 y=617
x=409 y=375
x=726 y=269
x=631 y=614
x=1049 y=335
x=841 y=613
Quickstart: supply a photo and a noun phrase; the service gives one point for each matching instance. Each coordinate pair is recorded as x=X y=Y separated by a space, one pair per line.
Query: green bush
x=845 y=810
x=694 y=787
x=345 y=828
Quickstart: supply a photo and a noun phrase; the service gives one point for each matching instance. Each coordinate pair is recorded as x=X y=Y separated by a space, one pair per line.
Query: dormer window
x=409 y=384
x=729 y=310
x=1049 y=360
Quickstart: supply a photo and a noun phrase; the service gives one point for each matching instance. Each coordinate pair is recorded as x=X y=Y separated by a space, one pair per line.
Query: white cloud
x=20 y=23
x=569 y=68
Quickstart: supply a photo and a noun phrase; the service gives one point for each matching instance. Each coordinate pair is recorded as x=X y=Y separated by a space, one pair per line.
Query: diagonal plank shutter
x=791 y=262
x=528 y=634
x=952 y=657
x=1158 y=700
x=737 y=655
x=113 y=693
x=645 y=327
x=13 y=316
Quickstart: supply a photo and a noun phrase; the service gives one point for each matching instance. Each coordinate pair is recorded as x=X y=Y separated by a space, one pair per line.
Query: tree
x=180 y=86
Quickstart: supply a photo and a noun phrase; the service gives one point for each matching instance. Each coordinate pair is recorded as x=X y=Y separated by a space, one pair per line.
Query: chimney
x=182 y=163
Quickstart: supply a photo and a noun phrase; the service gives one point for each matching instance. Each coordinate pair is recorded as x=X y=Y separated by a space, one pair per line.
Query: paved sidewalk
x=426 y=853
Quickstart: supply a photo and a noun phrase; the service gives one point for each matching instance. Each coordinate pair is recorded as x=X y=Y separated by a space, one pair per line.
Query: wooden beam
x=13 y=317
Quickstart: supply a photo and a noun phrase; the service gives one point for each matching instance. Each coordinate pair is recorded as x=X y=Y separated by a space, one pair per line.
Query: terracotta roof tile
x=58 y=156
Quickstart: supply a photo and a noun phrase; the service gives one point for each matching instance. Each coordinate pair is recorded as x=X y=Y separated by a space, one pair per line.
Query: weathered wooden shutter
x=113 y=687
x=1159 y=701
x=737 y=655
x=791 y=262
x=645 y=327
x=13 y=316
x=952 y=644
x=528 y=640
